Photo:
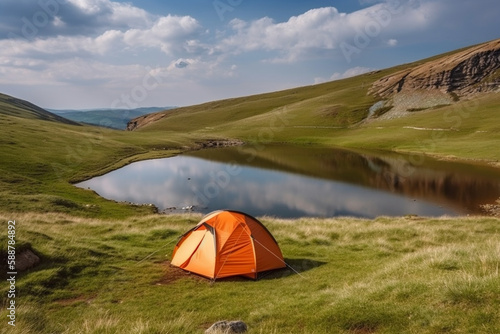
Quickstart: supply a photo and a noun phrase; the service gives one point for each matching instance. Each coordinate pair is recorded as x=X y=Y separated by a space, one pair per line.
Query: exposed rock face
x=144 y=120
x=474 y=70
x=227 y=327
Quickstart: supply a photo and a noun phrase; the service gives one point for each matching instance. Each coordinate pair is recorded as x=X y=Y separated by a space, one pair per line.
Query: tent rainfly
x=228 y=243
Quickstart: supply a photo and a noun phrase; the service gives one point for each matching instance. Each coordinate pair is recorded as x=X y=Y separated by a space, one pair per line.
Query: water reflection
x=296 y=182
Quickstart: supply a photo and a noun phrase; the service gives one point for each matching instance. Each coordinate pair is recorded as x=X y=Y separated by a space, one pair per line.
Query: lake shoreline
x=379 y=170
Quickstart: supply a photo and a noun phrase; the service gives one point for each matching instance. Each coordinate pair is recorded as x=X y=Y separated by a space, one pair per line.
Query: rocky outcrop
x=492 y=209
x=26 y=260
x=227 y=327
x=218 y=143
x=144 y=120
x=467 y=72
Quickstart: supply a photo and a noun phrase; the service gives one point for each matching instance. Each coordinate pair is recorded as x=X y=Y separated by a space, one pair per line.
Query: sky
x=82 y=54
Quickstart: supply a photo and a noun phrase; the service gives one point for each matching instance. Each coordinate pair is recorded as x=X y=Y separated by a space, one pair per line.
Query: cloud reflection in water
x=183 y=180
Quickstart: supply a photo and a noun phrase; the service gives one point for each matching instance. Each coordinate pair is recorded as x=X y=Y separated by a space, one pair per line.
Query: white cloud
x=36 y=19
x=172 y=27
x=91 y=7
x=75 y=71
x=313 y=29
x=58 y=22
x=170 y=34
x=392 y=42
x=113 y=13
x=352 y=72
x=125 y=13
x=309 y=34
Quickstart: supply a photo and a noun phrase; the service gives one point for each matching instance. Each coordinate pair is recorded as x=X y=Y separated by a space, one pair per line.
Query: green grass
x=388 y=275
x=466 y=130
x=337 y=104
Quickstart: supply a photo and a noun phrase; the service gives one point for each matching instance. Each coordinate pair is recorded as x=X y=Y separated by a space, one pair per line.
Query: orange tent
x=228 y=243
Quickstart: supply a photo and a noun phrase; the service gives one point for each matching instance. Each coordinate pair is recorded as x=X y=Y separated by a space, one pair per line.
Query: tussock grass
x=387 y=275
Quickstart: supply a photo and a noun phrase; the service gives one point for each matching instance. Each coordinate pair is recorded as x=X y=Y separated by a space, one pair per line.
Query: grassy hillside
x=339 y=103
x=468 y=129
x=335 y=113
x=20 y=108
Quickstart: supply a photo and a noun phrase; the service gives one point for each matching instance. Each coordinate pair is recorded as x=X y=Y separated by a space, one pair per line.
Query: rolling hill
x=338 y=103
x=323 y=111
x=20 y=108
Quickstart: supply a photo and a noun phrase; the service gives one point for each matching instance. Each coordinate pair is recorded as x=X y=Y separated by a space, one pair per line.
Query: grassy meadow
x=388 y=275
x=104 y=265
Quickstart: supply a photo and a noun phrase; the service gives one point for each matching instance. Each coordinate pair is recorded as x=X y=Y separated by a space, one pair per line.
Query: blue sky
x=125 y=54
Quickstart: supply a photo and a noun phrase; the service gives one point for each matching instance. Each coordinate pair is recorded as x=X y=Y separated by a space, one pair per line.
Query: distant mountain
x=110 y=118
x=12 y=106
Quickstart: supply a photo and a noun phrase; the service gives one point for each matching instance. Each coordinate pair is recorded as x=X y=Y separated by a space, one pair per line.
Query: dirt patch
x=172 y=274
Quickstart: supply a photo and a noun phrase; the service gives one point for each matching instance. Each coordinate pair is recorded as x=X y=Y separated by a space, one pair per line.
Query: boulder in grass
x=26 y=260
x=227 y=327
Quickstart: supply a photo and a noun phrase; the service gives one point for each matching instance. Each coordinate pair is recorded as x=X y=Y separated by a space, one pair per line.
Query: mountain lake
x=302 y=181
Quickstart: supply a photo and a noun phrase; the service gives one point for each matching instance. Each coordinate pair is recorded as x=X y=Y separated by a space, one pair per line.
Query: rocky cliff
x=464 y=73
x=144 y=120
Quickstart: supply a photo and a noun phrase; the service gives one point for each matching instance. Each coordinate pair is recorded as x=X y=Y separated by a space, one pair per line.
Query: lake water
x=290 y=181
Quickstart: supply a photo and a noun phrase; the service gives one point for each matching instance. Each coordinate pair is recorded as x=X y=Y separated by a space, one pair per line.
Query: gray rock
x=227 y=327
x=26 y=260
